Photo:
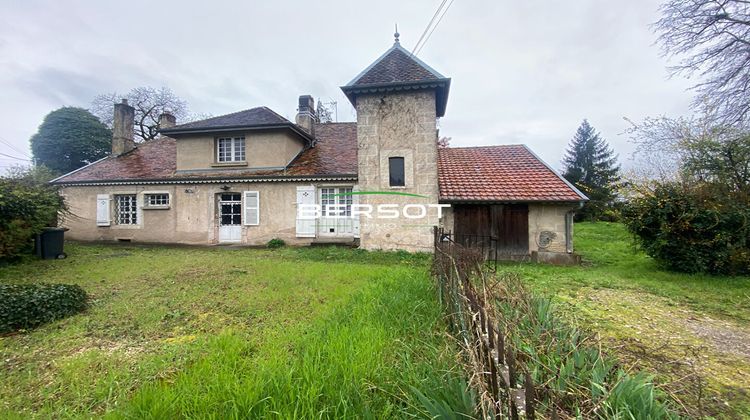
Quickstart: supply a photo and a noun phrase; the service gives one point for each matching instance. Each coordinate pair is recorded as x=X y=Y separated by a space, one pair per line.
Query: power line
x=428 y=26
x=433 y=28
x=7 y=143
x=13 y=157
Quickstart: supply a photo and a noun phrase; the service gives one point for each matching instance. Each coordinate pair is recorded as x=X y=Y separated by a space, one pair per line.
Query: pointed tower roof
x=397 y=70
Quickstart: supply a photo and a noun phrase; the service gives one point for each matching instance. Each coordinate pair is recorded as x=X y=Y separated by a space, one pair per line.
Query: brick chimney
x=122 y=128
x=167 y=120
x=306 y=116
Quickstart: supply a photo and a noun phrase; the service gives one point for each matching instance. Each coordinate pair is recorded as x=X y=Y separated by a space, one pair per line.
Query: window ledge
x=397 y=187
x=156 y=207
x=228 y=164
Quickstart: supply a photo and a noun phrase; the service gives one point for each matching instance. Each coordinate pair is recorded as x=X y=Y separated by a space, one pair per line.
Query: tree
x=27 y=205
x=148 y=102
x=70 y=138
x=694 y=150
x=444 y=142
x=711 y=38
x=591 y=165
x=324 y=112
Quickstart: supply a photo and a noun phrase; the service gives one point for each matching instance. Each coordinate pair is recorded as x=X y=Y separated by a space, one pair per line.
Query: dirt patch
x=721 y=335
x=703 y=363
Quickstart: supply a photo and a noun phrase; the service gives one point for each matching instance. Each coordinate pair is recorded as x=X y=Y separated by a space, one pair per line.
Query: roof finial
x=396 y=34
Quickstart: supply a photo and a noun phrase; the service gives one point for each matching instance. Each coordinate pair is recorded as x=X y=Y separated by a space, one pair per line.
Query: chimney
x=167 y=120
x=306 y=117
x=122 y=128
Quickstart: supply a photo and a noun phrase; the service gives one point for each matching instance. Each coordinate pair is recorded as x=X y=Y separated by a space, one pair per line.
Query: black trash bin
x=49 y=243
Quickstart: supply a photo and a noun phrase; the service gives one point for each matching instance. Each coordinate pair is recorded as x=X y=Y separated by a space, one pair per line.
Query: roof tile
x=499 y=173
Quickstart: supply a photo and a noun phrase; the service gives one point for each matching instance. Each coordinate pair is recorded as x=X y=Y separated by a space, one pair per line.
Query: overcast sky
x=522 y=71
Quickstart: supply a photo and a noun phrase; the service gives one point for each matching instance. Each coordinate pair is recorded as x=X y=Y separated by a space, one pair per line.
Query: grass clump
x=275 y=243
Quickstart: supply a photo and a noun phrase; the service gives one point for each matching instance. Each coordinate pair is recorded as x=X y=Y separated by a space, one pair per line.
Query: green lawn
x=231 y=333
x=692 y=330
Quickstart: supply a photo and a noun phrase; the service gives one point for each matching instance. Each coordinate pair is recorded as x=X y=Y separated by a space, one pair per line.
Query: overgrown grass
x=234 y=333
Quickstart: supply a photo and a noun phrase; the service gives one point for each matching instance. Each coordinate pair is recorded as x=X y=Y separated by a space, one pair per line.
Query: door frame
x=236 y=232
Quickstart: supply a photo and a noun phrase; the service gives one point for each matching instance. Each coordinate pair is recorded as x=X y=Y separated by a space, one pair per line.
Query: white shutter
x=355 y=202
x=252 y=208
x=306 y=226
x=102 y=210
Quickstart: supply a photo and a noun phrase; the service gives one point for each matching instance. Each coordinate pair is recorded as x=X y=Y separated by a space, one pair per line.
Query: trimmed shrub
x=275 y=243
x=24 y=306
x=692 y=230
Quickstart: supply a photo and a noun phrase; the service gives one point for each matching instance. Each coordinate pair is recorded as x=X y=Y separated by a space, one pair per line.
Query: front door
x=336 y=221
x=230 y=217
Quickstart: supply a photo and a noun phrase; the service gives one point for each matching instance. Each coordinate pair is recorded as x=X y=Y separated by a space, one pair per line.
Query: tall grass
x=381 y=355
x=573 y=373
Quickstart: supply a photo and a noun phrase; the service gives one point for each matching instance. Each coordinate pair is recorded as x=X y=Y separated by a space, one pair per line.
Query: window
x=230 y=207
x=156 y=200
x=126 y=210
x=230 y=149
x=396 y=171
x=340 y=197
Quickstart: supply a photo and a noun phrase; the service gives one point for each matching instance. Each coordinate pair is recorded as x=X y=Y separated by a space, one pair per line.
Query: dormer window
x=230 y=149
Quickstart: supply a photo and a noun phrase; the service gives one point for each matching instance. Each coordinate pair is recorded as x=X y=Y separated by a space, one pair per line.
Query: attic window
x=230 y=149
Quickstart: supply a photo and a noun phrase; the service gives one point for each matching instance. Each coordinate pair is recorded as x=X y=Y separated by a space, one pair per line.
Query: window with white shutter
x=102 y=210
x=252 y=208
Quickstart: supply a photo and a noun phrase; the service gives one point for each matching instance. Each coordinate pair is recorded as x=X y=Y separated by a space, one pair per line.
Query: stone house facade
x=253 y=175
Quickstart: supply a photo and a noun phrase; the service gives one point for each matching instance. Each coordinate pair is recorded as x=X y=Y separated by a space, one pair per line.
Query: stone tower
x=398 y=99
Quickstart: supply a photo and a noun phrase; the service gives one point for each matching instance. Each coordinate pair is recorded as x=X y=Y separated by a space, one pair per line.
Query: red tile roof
x=509 y=173
x=334 y=154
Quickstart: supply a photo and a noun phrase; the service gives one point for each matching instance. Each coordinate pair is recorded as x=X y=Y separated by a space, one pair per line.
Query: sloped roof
x=510 y=173
x=254 y=116
x=398 y=69
x=397 y=65
x=334 y=155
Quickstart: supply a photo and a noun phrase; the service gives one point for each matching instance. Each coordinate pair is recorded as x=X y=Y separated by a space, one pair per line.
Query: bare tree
x=711 y=39
x=443 y=142
x=692 y=150
x=149 y=103
x=325 y=111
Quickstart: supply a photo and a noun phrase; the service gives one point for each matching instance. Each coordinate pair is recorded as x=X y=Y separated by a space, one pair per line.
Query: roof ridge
x=486 y=146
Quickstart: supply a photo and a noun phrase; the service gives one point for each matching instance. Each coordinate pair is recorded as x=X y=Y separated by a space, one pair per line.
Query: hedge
x=694 y=230
x=24 y=306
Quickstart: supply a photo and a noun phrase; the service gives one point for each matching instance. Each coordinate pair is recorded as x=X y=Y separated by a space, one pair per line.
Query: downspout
x=569 y=228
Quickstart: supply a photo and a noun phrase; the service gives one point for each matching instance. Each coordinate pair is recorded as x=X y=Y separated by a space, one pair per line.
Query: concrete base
x=555 y=258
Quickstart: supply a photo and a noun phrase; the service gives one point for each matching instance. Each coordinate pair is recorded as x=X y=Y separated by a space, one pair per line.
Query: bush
x=692 y=229
x=26 y=206
x=24 y=306
x=275 y=243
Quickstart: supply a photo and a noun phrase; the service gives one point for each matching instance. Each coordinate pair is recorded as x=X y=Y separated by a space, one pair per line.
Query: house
x=246 y=177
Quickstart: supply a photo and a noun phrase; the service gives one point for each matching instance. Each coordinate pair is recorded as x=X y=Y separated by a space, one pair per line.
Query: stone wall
x=398 y=125
x=547 y=227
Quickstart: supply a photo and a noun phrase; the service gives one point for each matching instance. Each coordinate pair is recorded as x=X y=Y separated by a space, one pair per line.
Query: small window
x=156 y=200
x=230 y=149
x=396 y=171
x=126 y=210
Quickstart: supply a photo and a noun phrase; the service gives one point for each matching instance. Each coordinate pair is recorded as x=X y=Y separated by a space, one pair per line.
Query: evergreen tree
x=591 y=165
x=70 y=138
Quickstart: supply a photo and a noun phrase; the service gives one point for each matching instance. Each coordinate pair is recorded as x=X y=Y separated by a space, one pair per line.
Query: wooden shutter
x=252 y=208
x=102 y=210
x=355 y=202
x=305 y=227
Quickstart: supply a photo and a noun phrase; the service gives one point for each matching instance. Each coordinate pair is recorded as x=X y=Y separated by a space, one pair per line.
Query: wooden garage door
x=508 y=223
